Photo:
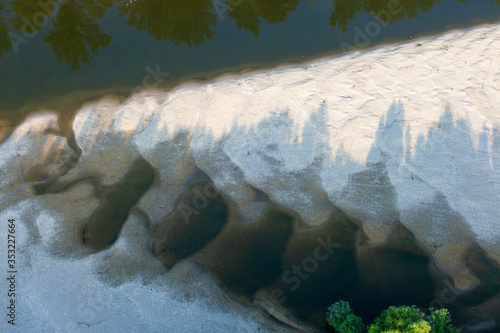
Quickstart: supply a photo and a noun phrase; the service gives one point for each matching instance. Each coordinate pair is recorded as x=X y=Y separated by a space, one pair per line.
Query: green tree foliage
x=396 y=319
x=341 y=317
x=440 y=320
x=401 y=319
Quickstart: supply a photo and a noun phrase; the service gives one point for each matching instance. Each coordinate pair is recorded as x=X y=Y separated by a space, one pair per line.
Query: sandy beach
x=407 y=132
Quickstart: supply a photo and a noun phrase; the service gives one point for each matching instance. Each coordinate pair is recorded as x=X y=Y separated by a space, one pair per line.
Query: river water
x=60 y=56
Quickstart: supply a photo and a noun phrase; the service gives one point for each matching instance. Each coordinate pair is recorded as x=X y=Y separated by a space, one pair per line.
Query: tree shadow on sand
x=400 y=270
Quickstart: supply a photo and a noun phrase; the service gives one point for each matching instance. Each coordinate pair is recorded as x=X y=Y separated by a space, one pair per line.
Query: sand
x=407 y=131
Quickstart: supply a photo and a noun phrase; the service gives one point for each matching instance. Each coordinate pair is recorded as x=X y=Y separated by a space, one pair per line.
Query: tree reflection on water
x=394 y=10
x=74 y=32
x=4 y=30
x=174 y=20
x=248 y=13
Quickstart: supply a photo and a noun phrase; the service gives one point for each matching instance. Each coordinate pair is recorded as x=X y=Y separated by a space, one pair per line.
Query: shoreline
x=68 y=104
x=398 y=132
x=228 y=79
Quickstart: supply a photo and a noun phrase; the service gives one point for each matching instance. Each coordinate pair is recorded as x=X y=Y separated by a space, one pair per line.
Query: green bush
x=396 y=319
x=401 y=319
x=341 y=317
x=440 y=320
